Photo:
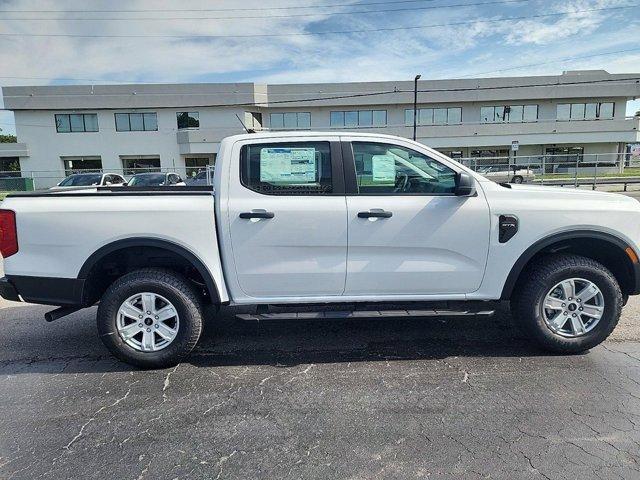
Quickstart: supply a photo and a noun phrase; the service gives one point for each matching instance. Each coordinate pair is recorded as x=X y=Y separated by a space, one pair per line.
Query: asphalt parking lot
x=360 y=399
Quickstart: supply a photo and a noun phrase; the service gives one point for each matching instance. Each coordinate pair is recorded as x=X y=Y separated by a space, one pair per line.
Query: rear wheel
x=150 y=318
x=567 y=303
x=517 y=179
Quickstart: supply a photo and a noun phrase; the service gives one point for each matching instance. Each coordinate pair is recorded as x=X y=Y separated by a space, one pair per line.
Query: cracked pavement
x=359 y=398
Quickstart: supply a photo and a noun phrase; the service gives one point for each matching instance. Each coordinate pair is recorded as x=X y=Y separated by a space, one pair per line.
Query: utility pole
x=415 y=105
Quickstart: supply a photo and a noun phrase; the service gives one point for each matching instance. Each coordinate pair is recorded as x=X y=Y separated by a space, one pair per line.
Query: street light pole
x=415 y=105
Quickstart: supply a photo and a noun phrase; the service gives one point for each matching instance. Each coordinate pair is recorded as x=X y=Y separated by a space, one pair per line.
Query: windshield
x=81 y=180
x=147 y=180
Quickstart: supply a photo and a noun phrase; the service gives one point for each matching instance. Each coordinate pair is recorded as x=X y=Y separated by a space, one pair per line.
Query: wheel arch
x=155 y=243
x=615 y=256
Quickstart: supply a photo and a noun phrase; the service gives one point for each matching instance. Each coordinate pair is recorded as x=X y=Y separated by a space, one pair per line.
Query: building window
x=195 y=165
x=293 y=168
x=81 y=164
x=10 y=166
x=509 y=113
x=187 y=120
x=585 y=111
x=76 y=122
x=136 y=122
x=434 y=116
x=564 y=154
x=253 y=120
x=132 y=164
x=290 y=120
x=358 y=118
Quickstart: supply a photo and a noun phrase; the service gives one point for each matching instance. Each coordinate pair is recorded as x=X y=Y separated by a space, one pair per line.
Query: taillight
x=8 y=233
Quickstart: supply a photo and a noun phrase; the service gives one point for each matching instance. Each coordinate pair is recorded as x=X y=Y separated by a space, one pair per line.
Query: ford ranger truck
x=376 y=224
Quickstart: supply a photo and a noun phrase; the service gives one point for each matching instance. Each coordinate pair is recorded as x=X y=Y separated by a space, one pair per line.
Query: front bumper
x=8 y=291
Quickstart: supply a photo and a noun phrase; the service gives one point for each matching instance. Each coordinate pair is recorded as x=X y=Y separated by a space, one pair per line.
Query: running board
x=334 y=314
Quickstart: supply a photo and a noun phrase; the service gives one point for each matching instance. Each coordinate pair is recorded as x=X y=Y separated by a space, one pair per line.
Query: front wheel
x=150 y=318
x=517 y=179
x=567 y=303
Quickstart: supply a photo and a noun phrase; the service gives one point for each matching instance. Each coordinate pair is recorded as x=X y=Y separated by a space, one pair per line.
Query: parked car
x=91 y=180
x=506 y=174
x=350 y=224
x=156 y=180
x=200 y=179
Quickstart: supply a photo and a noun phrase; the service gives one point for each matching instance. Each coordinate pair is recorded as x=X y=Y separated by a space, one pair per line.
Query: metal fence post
x=543 y=168
x=575 y=183
x=595 y=173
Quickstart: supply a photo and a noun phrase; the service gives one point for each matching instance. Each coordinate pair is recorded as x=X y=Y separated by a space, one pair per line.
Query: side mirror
x=465 y=185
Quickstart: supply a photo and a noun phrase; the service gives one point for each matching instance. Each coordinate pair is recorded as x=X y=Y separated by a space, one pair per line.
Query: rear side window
x=296 y=168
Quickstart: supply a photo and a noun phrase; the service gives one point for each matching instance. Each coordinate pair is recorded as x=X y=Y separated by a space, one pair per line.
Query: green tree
x=8 y=139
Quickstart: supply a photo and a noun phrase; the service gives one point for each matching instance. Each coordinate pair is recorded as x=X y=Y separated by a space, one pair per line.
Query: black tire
x=517 y=179
x=171 y=286
x=536 y=282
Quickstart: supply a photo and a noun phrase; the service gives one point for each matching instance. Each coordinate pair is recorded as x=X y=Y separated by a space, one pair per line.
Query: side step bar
x=335 y=314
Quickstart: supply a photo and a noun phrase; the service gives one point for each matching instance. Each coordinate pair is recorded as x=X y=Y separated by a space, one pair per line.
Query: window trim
x=128 y=114
x=357 y=124
x=350 y=178
x=284 y=127
x=189 y=114
x=337 y=174
x=84 y=122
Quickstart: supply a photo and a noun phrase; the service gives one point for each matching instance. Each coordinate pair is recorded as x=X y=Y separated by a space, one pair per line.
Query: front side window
x=188 y=120
x=136 y=122
x=82 y=180
x=76 y=122
x=295 y=168
x=385 y=169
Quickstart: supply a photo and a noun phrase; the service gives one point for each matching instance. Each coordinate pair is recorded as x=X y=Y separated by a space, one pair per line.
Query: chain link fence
x=615 y=171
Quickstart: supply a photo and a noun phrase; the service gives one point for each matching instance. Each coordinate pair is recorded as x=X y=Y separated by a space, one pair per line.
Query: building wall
x=35 y=107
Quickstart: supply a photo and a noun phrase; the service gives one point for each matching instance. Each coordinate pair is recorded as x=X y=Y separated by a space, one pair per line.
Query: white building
x=179 y=127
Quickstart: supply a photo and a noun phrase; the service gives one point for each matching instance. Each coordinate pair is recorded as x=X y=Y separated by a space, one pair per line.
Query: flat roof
x=571 y=84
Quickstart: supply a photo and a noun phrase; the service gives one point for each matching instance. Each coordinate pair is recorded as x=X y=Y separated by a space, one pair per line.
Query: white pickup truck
x=370 y=222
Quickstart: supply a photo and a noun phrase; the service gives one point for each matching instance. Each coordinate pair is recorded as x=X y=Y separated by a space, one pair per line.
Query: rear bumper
x=8 y=291
x=44 y=290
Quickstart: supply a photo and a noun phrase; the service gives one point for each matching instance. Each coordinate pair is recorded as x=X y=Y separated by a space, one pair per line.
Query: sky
x=282 y=41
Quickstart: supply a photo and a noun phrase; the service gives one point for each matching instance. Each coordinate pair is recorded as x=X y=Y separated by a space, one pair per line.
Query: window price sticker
x=288 y=165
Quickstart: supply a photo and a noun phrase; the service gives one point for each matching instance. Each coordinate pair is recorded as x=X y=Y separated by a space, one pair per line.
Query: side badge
x=508 y=228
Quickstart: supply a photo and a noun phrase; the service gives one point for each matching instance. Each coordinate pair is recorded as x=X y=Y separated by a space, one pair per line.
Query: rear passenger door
x=287 y=218
x=409 y=234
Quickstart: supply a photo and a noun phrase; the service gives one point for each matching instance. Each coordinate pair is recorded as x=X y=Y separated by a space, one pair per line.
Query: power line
x=622 y=81
x=137 y=82
x=358 y=12
x=567 y=59
x=327 y=32
x=291 y=7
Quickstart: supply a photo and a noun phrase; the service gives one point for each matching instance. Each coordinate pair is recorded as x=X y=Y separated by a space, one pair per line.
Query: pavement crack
x=167 y=382
x=79 y=434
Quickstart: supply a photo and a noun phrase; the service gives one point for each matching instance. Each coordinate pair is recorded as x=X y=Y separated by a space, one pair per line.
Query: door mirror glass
x=465 y=185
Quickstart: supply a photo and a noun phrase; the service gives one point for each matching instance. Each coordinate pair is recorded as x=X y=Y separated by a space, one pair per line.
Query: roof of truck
x=307 y=133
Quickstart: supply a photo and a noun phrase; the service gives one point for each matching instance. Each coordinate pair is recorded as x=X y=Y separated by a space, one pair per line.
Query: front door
x=288 y=218
x=408 y=232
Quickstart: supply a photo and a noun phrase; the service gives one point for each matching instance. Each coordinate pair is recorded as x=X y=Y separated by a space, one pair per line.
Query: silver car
x=507 y=174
